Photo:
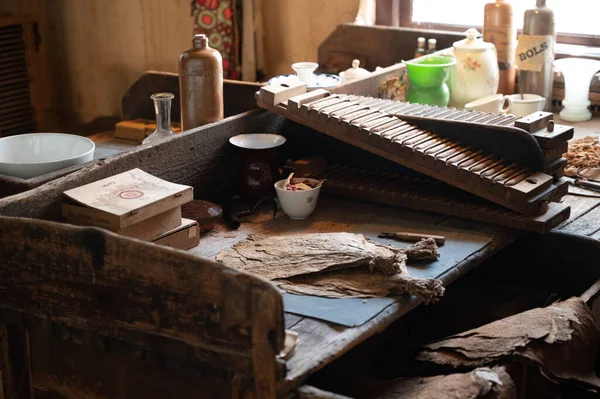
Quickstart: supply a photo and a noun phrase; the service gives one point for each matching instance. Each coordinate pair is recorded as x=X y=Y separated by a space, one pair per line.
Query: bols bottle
x=535 y=52
x=200 y=84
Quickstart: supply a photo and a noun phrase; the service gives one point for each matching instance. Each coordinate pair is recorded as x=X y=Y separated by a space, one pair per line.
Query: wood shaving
x=583 y=153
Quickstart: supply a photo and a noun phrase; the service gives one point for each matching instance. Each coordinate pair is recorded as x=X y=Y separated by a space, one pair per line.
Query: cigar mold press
x=515 y=164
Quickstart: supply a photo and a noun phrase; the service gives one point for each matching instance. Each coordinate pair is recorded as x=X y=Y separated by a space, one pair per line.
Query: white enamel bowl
x=257 y=141
x=35 y=154
x=297 y=204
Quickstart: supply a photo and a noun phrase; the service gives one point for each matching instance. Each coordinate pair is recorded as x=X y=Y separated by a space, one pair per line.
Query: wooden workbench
x=321 y=342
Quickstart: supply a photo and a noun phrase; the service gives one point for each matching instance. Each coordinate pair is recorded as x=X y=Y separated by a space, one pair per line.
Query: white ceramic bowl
x=297 y=204
x=257 y=141
x=35 y=154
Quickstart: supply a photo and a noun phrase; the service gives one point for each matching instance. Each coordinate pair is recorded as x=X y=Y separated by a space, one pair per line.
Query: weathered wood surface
x=309 y=392
x=152 y=297
x=321 y=342
x=358 y=41
x=585 y=215
x=238 y=97
x=488 y=383
x=15 y=362
x=199 y=157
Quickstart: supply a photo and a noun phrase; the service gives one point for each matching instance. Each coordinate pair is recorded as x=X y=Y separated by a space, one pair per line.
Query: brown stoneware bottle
x=499 y=28
x=200 y=84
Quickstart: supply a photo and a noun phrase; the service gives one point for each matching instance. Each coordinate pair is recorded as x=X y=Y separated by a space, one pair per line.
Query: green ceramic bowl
x=429 y=71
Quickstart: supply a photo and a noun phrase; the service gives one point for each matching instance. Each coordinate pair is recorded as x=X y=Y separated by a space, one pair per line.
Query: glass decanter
x=162 y=107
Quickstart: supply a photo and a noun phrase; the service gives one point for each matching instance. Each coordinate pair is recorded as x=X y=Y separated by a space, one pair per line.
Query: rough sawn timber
x=155 y=298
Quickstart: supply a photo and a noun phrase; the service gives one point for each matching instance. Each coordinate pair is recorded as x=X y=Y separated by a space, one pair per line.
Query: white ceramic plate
x=320 y=80
x=257 y=141
x=35 y=154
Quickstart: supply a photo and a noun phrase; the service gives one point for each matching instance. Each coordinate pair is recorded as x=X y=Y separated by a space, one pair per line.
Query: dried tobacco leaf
x=317 y=264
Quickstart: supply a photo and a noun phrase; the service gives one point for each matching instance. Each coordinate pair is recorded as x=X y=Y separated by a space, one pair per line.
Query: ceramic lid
x=472 y=43
x=355 y=72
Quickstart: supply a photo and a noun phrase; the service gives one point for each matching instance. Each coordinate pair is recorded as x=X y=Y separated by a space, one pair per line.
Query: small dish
x=320 y=81
x=298 y=204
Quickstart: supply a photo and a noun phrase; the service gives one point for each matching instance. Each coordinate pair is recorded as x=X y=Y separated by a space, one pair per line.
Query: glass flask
x=162 y=107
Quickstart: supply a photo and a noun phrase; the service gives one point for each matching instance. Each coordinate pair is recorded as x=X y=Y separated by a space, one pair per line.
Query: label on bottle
x=505 y=40
x=533 y=52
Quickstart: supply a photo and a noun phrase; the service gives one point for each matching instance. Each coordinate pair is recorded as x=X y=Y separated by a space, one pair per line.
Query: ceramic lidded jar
x=354 y=73
x=476 y=73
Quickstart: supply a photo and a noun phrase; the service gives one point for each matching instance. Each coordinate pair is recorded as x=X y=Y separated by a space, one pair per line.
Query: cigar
x=413 y=237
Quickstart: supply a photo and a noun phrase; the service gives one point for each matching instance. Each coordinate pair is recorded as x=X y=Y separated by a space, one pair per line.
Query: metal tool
x=588 y=184
x=414 y=237
x=231 y=218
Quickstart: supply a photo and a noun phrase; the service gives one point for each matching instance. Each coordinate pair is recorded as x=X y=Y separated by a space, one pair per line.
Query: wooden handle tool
x=414 y=237
x=588 y=184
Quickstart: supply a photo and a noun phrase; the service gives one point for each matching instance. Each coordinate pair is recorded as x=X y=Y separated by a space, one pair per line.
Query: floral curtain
x=218 y=20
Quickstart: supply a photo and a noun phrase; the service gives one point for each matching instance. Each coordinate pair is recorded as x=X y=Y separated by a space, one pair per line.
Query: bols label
x=533 y=52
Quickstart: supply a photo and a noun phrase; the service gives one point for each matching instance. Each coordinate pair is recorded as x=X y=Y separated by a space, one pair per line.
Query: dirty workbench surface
x=585 y=213
x=321 y=342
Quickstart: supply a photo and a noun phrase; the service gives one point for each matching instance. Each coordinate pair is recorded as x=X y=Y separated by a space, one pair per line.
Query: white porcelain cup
x=305 y=71
x=529 y=104
x=297 y=204
x=497 y=103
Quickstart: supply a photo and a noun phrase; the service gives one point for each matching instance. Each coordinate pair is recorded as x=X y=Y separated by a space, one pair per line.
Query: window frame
x=399 y=13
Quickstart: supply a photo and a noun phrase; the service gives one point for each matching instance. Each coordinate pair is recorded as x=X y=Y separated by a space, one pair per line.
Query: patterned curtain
x=219 y=20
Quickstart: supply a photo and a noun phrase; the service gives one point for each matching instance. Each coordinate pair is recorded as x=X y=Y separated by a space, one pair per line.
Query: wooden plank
x=155 y=297
x=16 y=362
x=291 y=320
x=267 y=341
x=580 y=204
x=585 y=225
x=169 y=160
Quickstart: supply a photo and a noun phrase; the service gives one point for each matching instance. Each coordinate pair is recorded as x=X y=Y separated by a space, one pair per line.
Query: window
x=576 y=20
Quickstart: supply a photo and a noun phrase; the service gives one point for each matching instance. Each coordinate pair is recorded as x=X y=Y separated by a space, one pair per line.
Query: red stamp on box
x=131 y=194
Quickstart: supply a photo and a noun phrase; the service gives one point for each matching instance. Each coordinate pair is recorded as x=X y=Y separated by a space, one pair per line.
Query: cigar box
x=186 y=236
x=149 y=229
x=121 y=201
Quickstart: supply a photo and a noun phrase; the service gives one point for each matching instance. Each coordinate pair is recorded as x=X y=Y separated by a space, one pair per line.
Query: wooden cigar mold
x=513 y=163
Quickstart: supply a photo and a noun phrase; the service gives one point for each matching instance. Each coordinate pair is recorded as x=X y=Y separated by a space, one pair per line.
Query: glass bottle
x=535 y=52
x=431 y=43
x=420 y=51
x=162 y=107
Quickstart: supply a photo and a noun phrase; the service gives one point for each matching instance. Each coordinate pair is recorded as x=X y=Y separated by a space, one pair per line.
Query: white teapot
x=476 y=72
x=354 y=73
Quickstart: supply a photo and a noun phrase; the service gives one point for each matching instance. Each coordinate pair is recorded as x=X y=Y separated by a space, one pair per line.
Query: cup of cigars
x=298 y=196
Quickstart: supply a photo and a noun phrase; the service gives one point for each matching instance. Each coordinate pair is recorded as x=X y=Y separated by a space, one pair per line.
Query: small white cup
x=497 y=103
x=529 y=104
x=305 y=71
x=297 y=204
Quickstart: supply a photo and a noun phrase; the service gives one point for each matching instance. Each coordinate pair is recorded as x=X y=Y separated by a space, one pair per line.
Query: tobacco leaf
x=494 y=383
x=304 y=264
x=561 y=340
x=361 y=284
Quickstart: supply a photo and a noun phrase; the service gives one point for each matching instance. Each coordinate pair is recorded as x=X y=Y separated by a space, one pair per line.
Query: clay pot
x=258 y=170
